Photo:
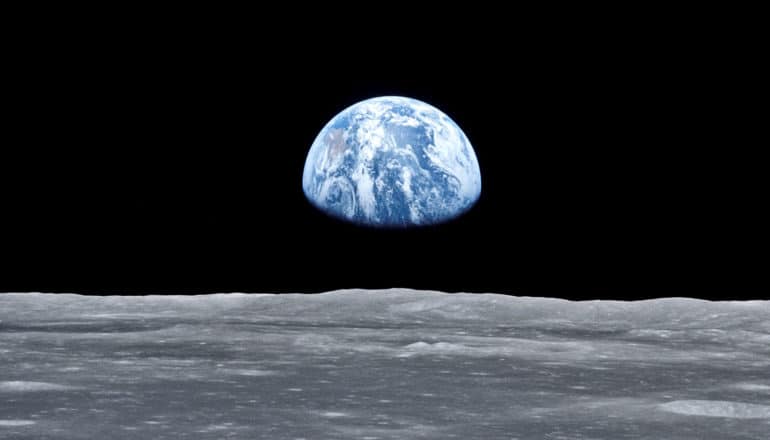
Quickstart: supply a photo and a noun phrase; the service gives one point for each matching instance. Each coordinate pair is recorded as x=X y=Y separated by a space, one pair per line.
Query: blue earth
x=392 y=162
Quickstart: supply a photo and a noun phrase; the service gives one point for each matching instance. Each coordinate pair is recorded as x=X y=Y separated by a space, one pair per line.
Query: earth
x=392 y=162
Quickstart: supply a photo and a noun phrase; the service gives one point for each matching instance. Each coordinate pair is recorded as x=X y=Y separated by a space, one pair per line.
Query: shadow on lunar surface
x=105 y=326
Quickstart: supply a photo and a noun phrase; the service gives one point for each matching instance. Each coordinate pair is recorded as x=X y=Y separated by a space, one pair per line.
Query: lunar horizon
x=387 y=364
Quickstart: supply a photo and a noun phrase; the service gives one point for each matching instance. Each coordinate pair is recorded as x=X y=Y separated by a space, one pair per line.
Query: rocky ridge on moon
x=394 y=364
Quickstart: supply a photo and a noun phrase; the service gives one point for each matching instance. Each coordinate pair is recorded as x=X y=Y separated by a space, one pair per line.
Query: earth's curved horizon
x=392 y=162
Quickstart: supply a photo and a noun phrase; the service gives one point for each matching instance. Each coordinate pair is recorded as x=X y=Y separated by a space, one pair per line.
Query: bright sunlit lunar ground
x=394 y=364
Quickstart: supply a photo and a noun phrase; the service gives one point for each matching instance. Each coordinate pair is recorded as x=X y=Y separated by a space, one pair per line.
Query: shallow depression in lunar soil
x=395 y=364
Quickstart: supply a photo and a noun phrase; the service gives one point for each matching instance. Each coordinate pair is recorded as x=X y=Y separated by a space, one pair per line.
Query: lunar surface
x=394 y=364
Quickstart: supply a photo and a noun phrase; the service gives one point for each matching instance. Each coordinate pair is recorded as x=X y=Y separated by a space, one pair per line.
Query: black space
x=609 y=172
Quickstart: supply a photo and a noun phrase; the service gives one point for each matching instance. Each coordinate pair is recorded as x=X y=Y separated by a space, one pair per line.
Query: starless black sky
x=604 y=175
